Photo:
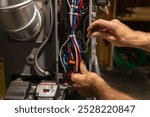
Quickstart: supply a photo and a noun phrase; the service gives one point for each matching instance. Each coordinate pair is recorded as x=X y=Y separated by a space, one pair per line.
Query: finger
x=83 y=68
x=101 y=24
x=77 y=77
x=104 y=35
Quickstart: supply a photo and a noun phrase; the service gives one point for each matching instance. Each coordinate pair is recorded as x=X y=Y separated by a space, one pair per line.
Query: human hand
x=84 y=82
x=89 y=84
x=113 y=31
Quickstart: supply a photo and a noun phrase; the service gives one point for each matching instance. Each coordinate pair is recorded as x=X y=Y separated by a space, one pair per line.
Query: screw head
x=30 y=59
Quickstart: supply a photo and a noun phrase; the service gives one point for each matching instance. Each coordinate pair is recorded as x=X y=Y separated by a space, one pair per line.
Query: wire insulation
x=71 y=51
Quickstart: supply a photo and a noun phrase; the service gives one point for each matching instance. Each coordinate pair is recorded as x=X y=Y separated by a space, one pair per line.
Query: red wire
x=79 y=54
x=81 y=6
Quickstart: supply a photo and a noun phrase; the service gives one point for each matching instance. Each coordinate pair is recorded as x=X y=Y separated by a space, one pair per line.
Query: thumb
x=83 y=68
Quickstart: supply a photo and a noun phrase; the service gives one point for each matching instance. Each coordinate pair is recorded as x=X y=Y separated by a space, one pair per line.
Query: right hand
x=113 y=31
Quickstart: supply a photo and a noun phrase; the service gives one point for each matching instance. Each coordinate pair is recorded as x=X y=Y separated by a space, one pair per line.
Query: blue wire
x=73 y=23
x=66 y=59
x=66 y=54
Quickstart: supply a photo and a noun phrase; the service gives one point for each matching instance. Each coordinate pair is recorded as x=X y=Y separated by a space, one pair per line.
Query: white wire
x=69 y=4
x=77 y=60
x=86 y=18
x=60 y=53
x=71 y=23
x=64 y=61
x=76 y=46
x=71 y=11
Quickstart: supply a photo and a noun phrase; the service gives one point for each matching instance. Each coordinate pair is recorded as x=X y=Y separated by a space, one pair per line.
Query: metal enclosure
x=15 y=52
x=21 y=19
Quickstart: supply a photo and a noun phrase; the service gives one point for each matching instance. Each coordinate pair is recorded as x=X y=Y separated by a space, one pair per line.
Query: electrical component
x=47 y=90
x=103 y=5
x=100 y=2
x=20 y=27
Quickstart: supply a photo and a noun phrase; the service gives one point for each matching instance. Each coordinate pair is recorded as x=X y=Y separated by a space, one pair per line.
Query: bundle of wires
x=129 y=58
x=70 y=51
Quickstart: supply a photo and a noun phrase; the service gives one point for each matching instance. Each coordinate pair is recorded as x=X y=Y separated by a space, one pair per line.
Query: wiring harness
x=72 y=49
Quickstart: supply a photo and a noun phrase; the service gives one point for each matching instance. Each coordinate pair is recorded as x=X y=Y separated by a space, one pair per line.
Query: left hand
x=84 y=81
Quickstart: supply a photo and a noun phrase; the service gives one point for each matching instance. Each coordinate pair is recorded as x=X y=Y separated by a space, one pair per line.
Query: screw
x=30 y=59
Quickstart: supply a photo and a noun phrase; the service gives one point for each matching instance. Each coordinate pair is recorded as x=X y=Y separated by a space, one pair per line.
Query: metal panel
x=15 y=54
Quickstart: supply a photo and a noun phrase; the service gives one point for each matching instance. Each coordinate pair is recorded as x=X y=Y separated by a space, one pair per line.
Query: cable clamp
x=73 y=6
x=73 y=13
x=72 y=36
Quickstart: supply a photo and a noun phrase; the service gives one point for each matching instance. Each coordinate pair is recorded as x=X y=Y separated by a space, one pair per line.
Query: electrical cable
x=127 y=64
x=70 y=10
x=83 y=38
x=84 y=26
x=60 y=54
x=71 y=57
x=46 y=73
x=78 y=54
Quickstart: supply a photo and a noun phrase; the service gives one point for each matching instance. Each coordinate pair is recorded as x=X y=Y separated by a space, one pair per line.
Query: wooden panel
x=2 y=78
x=123 y=4
x=105 y=52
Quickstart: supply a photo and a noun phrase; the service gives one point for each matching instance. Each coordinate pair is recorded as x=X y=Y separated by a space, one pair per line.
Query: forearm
x=142 y=40
x=103 y=91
